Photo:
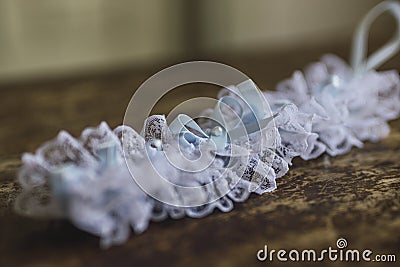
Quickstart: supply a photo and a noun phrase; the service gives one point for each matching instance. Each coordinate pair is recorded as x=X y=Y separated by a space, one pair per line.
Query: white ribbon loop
x=359 y=60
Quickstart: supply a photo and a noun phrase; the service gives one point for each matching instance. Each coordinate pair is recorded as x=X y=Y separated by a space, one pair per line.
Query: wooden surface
x=355 y=196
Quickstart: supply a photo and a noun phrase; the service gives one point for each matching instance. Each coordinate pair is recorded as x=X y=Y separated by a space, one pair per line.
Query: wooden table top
x=355 y=196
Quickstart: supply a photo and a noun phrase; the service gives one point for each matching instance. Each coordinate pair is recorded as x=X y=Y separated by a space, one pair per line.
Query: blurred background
x=42 y=39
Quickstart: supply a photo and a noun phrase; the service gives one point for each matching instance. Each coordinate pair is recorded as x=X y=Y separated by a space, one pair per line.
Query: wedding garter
x=328 y=108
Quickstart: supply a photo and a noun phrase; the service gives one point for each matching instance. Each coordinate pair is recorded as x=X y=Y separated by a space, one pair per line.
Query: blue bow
x=251 y=122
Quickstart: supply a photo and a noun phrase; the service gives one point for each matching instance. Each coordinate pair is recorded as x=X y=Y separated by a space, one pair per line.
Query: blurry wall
x=281 y=24
x=54 y=37
x=40 y=38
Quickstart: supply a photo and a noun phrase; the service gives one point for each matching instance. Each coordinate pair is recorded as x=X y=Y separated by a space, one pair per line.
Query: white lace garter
x=330 y=107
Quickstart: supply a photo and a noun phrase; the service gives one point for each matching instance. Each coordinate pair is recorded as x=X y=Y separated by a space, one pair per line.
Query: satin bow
x=258 y=117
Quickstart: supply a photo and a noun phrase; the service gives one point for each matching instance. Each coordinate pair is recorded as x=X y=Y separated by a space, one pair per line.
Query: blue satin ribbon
x=359 y=60
x=251 y=122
